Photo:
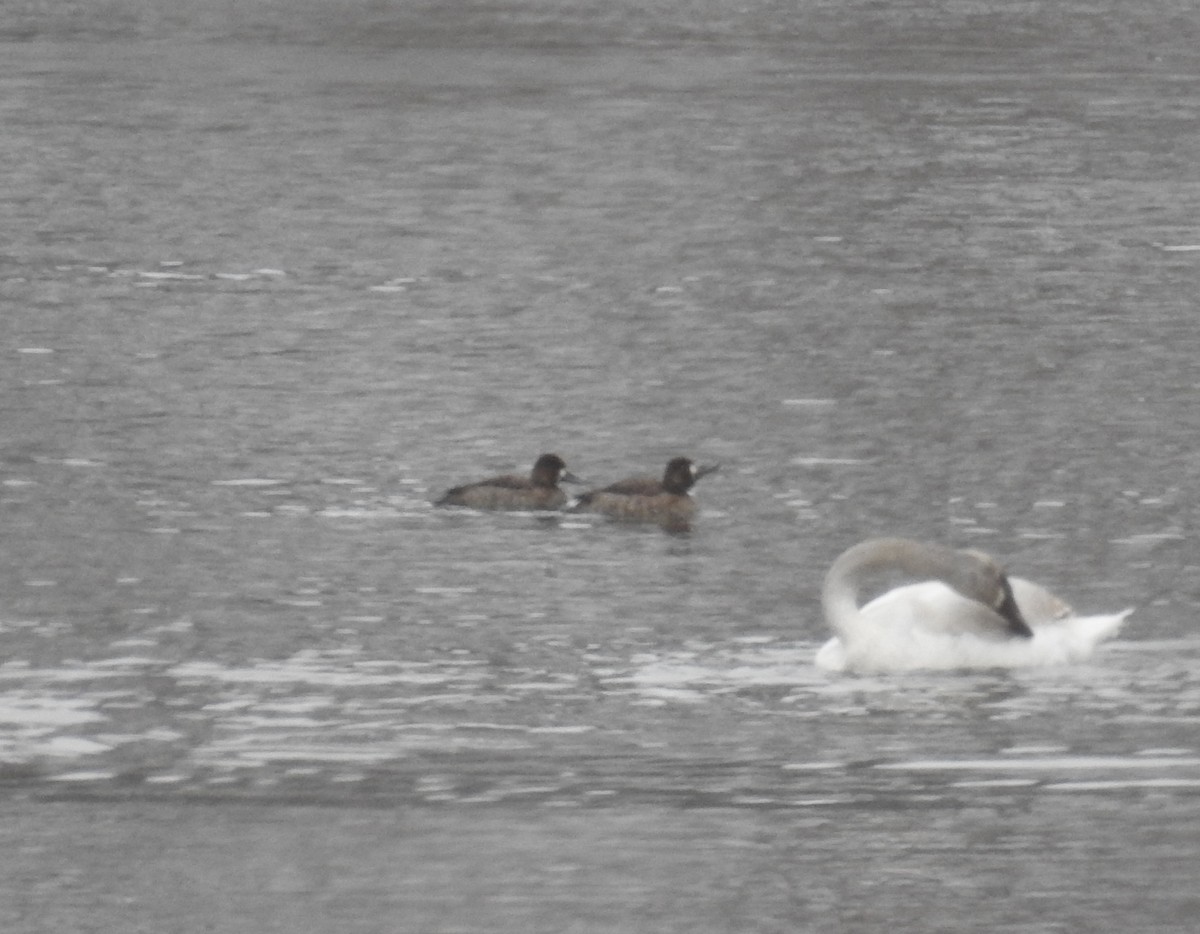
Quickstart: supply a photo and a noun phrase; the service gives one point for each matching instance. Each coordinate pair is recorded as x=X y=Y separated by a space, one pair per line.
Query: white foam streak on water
x=739 y=667
x=828 y=461
x=72 y=746
x=26 y=709
x=25 y=673
x=996 y=783
x=30 y=746
x=351 y=676
x=1093 y=763
x=1146 y=784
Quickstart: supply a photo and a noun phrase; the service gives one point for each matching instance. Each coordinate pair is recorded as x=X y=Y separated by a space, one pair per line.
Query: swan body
x=965 y=612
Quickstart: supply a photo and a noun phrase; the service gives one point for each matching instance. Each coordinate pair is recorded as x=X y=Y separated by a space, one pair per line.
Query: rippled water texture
x=275 y=275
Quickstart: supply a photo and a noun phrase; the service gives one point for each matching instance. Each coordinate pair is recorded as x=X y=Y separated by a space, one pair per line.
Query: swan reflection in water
x=964 y=612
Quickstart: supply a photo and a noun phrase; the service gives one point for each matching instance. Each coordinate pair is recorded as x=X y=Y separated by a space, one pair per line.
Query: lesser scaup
x=645 y=499
x=512 y=492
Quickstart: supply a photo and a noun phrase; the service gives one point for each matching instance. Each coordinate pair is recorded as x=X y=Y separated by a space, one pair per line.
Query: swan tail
x=1093 y=630
x=1075 y=639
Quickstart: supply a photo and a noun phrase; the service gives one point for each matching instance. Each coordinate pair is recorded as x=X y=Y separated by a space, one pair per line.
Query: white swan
x=966 y=612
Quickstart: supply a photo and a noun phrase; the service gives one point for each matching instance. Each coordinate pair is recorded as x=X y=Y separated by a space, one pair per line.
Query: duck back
x=504 y=493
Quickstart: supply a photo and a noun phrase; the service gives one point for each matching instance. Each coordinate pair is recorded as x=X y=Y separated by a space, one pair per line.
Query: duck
x=964 y=612
x=647 y=499
x=539 y=491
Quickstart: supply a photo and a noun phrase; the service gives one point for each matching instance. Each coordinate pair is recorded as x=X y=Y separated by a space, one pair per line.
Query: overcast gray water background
x=274 y=275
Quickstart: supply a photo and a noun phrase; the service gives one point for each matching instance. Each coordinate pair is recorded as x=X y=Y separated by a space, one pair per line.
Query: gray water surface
x=271 y=281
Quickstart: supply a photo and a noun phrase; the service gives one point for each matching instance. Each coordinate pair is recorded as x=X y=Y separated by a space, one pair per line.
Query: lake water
x=275 y=275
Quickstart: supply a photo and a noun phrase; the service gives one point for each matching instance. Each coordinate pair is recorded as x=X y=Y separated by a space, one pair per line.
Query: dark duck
x=647 y=499
x=538 y=491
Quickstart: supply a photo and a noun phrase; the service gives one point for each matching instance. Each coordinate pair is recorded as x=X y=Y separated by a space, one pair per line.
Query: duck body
x=966 y=613
x=511 y=492
x=663 y=501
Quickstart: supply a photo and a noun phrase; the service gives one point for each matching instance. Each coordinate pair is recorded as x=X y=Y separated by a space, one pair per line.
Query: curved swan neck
x=975 y=576
x=839 y=596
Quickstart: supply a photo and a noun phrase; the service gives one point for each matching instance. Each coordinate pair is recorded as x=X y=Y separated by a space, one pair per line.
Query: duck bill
x=567 y=477
x=702 y=469
x=1011 y=614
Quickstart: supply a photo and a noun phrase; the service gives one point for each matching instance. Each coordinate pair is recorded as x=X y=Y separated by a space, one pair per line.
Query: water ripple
x=616 y=729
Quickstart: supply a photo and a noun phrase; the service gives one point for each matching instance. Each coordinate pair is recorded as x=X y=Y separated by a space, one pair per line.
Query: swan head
x=982 y=578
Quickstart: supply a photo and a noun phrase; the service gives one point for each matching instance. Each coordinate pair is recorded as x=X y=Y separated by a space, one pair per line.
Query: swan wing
x=1092 y=630
x=932 y=607
x=1037 y=604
